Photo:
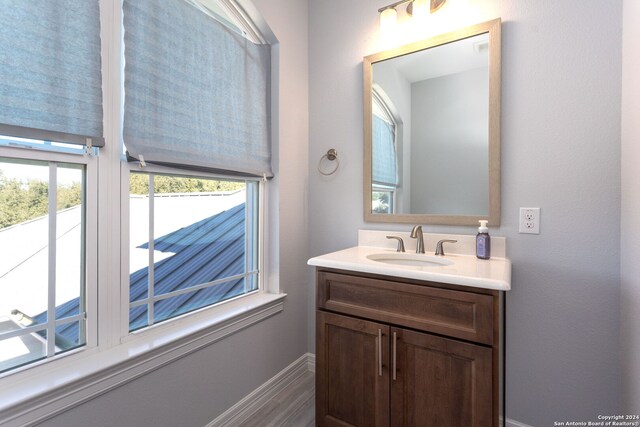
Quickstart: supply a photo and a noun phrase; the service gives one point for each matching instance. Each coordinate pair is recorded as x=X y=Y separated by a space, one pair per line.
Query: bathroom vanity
x=405 y=339
x=408 y=338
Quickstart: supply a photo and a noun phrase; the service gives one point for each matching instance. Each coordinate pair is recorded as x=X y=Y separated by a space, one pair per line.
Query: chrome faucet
x=416 y=233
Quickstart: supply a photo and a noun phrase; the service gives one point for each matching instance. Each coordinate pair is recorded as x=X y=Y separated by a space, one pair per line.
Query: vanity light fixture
x=415 y=8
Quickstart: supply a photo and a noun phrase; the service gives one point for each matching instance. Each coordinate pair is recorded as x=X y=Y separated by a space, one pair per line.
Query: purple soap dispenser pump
x=483 y=241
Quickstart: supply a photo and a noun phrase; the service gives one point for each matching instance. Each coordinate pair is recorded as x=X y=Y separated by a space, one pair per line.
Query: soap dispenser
x=483 y=241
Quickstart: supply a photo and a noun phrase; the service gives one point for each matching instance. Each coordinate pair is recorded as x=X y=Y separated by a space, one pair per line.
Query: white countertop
x=465 y=270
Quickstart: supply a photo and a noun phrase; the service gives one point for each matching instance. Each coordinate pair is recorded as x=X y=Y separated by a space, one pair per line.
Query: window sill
x=54 y=386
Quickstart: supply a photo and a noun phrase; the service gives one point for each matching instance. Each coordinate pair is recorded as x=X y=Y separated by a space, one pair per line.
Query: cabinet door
x=439 y=381
x=352 y=372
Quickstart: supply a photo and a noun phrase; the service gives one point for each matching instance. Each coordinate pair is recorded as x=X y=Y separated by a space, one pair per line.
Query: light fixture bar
x=393 y=5
x=435 y=5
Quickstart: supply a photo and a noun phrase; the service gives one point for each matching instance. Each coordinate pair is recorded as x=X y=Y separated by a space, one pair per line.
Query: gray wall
x=196 y=389
x=630 y=229
x=561 y=151
x=450 y=153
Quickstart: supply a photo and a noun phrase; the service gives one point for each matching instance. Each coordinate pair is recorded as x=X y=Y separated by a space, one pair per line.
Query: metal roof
x=208 y=250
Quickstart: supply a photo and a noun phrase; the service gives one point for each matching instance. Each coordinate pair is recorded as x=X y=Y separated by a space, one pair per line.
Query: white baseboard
x=512 y=423
x=255 y=400
x=311 y=362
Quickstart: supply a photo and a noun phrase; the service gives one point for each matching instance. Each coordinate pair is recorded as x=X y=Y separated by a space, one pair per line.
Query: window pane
x=199 y=229
x=17 y=351
x=69 y=336
x=69 y=238
x=203 y=234
x=27 y=274
x=382 y=202
x=24 y=239
x=138 y=317
x=184 y=303
x=138 y=235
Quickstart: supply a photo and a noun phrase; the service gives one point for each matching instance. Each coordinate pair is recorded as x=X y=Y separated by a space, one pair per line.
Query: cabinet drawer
x=459 y=314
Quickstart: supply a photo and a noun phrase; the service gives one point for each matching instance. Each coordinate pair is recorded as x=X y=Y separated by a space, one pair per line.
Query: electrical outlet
x=529 y=221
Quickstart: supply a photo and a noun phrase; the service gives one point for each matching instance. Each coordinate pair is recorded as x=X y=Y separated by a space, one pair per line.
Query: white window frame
x=90 y=248
x=112 y=355
x=186 y=318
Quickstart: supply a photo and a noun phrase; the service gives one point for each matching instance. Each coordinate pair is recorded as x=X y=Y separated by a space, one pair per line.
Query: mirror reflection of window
x=385 y=131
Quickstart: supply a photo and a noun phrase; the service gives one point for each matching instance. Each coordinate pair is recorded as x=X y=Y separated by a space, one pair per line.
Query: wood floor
x=293 y=407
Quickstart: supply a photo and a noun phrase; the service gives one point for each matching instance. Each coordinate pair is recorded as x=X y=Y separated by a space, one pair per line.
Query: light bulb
x=388 y=21
x=421 y=8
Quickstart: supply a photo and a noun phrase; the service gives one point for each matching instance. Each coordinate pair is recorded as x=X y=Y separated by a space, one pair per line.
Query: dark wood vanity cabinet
x=353 y=389
x=401 y=352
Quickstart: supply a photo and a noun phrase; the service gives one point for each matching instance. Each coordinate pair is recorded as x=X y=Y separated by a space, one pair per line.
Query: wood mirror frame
x=493 y=29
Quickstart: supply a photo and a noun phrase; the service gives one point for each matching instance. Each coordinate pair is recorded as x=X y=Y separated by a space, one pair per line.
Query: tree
x=139 y=184
x=20 y=202
x=69 y=196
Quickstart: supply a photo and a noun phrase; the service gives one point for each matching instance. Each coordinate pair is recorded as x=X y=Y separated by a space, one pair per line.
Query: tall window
x=50 y=123
x=196 y=113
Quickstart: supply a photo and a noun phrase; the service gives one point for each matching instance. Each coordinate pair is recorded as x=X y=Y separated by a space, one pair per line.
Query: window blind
x=384 y=153
x=196 y=92
x=50 y=70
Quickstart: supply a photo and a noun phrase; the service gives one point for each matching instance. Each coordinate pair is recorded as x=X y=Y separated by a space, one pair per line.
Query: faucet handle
x=439 y=247
x=400 y=243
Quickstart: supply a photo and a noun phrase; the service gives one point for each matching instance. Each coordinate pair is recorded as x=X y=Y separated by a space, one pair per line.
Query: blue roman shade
x=50 y=70
x=384 y=153
x=196 y=91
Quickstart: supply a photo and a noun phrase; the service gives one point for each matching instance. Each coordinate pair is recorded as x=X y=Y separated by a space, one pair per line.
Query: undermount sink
x=411 y=260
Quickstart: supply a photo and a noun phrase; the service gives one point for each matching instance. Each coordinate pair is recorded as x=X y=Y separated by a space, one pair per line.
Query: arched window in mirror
x=386 y=128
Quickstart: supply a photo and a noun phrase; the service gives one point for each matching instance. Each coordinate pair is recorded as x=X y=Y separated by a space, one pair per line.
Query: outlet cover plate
x=529 y=222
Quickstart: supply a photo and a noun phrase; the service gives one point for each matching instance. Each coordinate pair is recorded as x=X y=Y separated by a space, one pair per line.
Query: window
x=193 y=243
x=43 y=305
x=383 y=199
x=385 y=159
x=178 y=236
x=193 y=237
x=50 y=117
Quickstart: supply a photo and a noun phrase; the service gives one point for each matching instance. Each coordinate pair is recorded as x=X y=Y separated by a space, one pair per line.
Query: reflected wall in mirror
x=432 y=130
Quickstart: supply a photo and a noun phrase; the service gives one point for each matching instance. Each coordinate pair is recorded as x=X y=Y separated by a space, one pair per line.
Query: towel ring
x=331 y=155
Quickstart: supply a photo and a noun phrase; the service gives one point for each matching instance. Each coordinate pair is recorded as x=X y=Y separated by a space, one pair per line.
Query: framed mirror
x=432 y=130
